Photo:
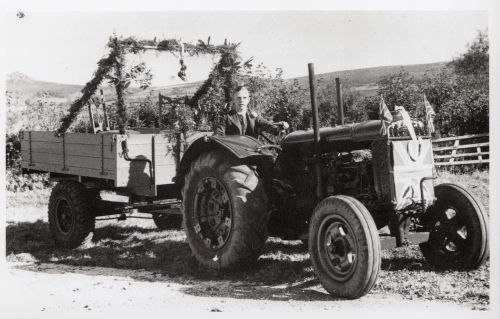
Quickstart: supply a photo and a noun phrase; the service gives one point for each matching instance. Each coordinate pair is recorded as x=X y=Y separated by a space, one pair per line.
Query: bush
x=17 y=182
x=459 y=93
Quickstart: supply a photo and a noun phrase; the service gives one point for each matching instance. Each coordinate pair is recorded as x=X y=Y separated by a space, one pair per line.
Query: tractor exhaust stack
x=340 y=102
x=317 y=138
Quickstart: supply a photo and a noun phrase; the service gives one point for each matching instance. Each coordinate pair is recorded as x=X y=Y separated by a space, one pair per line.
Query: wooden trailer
x=136 y=162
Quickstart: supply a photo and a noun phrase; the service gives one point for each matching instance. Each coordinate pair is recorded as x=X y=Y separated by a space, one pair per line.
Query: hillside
x=362 y=80
x=26 y=86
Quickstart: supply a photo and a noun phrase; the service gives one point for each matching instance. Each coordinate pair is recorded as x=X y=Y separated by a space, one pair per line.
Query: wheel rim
x=64 y=217
x=337 y=243
x=449 y=232
x=212 y=213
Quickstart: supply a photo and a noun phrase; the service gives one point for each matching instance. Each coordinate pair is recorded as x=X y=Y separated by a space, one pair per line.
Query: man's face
x=240 y=101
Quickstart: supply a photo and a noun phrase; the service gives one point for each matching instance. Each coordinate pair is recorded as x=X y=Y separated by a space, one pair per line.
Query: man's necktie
x=243 y=124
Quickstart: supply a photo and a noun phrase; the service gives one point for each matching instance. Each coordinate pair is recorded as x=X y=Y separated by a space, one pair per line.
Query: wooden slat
x=73 y=161
x=143 y=139
x=47 y=158
x=44 y=147
x=142 y=149
x=86 y=138
x=90 y=150
x=461 y=155
x=42 y=136
x=89 y=162
x=462 y=162
x=71 y=149
x=448 y=148
x=72 y=171
x=163 y=162
x=463 y=137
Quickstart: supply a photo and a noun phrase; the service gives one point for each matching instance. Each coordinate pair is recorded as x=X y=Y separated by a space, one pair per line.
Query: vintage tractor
x=333 y=188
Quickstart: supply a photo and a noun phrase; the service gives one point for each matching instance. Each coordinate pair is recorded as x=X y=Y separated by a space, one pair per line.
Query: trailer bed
x=101 y=156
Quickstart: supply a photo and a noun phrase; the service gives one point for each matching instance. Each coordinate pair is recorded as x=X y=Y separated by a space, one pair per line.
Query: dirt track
x=131 y=268
x=37 y=289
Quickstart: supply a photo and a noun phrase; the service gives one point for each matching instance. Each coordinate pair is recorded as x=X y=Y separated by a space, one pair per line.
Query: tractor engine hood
x=360 y=134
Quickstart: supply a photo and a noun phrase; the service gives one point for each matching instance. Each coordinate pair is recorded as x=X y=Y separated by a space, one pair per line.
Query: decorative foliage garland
x=104 y=67
x=113 y=69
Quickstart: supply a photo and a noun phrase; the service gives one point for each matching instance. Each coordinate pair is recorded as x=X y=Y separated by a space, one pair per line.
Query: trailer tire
x=224 y=210
x=71 y=216
x=458 y=227
x=344 y=247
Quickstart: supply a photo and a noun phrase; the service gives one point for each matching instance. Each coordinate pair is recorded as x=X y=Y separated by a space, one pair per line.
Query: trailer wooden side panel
x=81 y=154
x=149 y=162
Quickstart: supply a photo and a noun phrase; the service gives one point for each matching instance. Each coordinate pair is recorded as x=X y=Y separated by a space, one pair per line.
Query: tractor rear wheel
x=344 y=247
x=458 y=230
x=224 y=210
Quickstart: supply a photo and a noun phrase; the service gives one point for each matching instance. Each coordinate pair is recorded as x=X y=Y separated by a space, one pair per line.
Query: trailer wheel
x=458 y=230
x=71 y=216
x=344 y=247
x=167 y=221
x=225 y=211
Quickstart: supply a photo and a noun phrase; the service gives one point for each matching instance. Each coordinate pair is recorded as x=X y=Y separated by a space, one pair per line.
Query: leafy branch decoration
x=113 y=69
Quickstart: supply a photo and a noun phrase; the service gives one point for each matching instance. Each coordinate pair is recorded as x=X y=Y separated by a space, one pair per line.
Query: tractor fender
x=243 y=147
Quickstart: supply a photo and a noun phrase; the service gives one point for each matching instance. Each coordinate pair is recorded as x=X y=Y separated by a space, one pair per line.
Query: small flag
x=429 y=114
x=385 y=114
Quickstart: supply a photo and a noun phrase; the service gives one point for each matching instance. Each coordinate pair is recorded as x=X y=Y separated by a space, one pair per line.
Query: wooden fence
x=462 y=150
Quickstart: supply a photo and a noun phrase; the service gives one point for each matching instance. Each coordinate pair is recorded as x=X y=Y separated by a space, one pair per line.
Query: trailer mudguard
x=243 y=147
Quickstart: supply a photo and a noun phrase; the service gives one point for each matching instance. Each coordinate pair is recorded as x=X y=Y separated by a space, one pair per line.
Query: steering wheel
x=275 y=139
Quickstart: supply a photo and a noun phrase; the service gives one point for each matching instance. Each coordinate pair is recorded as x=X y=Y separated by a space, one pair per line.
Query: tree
x=401 y=89
x=475 y=61
x=459 y=92
x=467 y=108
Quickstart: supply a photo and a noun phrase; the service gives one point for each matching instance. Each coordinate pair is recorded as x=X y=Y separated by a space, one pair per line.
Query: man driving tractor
x=242 y=121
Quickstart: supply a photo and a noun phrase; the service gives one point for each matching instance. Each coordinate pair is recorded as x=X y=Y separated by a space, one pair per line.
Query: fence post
x=454 y=152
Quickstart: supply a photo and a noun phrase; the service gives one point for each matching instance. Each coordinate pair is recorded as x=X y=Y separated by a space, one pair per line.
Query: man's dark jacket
x=231 y=125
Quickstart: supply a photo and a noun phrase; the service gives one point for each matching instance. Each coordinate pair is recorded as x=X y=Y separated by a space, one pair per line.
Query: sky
x=64 y=47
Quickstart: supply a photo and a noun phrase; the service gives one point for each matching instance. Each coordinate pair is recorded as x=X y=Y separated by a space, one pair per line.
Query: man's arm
x=220 y=129
x=263 y=125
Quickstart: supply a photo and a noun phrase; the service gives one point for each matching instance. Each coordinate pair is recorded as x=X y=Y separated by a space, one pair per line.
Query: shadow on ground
x=283 y=272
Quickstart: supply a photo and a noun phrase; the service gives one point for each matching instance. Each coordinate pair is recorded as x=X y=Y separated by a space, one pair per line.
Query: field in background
x=136 y=249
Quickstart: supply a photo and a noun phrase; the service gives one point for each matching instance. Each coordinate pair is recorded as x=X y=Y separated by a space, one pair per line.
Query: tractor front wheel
x=458 y=230
x=344 y=247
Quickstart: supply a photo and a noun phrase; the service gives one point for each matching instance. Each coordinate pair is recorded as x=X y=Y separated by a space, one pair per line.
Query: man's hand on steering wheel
x=283 y=125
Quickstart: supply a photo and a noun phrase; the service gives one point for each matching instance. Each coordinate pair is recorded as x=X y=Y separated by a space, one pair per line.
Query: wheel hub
x=212 y=214
x=449 y=233
x=340 y=246
x=64 y=217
